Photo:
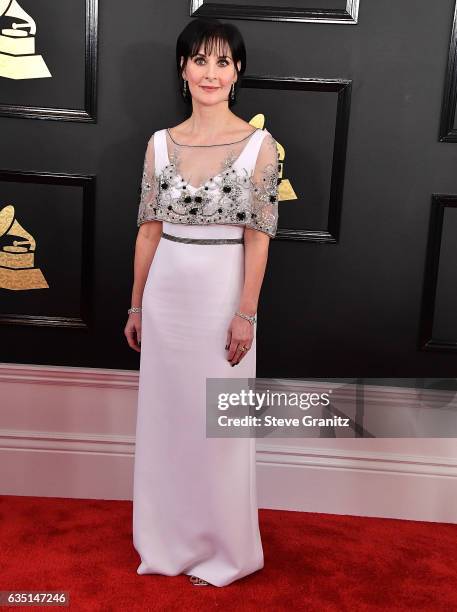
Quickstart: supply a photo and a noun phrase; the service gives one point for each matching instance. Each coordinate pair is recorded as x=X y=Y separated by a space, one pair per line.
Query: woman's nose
x=210 y=70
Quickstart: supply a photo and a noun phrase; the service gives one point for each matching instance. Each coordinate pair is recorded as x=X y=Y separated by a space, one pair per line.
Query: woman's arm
x=261 y=228
x=241 y=332
x=148 y=237
x=256 y=246
x=147 y=241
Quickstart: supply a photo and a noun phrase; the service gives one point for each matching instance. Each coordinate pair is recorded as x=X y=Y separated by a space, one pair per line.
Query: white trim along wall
x=70 y=432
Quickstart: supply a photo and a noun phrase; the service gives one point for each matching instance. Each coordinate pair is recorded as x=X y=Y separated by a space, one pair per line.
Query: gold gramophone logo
x=18 y=59
x=17 y=255
x=285 y=189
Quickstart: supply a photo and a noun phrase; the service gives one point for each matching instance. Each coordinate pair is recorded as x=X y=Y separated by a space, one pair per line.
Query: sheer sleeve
x=147 y=210
x=264 y=188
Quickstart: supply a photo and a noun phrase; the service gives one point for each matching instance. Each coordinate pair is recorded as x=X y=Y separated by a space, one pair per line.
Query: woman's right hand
x=132 y=331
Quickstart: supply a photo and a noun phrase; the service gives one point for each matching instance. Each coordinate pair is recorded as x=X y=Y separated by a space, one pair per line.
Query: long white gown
x=194 y=499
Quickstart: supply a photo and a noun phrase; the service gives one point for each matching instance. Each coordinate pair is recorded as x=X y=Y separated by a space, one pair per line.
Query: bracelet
x=133 y=309
x=251 y=318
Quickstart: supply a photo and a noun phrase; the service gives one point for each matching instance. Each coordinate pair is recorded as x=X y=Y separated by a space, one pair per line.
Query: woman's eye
x=200 y=59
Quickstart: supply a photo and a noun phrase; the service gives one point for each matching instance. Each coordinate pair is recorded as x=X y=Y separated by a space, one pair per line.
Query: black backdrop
x=341 y=309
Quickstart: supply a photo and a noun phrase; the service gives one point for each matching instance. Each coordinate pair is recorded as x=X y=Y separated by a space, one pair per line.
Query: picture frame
x=427 y=340
x=342 y=88
x=448 y=122
x=348 y=15
x=87 y=114
x=18 y=274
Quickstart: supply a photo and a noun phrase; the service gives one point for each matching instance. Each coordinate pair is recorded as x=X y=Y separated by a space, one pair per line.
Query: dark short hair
x=210 y=32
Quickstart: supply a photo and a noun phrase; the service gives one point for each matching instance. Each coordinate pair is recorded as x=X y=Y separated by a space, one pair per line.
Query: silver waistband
x=203 y=240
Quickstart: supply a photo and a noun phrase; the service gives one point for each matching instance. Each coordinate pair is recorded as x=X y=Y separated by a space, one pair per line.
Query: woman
x=207 y=212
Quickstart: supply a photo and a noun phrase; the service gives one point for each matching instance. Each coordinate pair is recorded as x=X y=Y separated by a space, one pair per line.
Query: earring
x=184 y=89
x=232 y=92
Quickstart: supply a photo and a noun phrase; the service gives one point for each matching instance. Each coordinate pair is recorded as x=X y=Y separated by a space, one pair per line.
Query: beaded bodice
x=233 y=183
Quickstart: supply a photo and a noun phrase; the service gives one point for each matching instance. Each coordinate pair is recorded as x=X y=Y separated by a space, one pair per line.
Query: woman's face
x=215 y=71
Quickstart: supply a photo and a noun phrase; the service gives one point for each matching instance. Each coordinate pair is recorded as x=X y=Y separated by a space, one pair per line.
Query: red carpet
x=313 y=562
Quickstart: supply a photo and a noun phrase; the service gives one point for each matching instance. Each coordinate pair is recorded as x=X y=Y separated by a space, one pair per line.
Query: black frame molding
x=343 y=87
x=426 y=342
x=349 y=15
x=89 y=113
x=448 y=133
x=88 y=183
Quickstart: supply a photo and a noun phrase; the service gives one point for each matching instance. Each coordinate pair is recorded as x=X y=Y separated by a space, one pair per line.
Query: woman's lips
x=208 y=88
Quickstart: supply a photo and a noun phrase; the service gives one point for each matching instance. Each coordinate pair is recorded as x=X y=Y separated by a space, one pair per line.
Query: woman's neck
x=209 y=123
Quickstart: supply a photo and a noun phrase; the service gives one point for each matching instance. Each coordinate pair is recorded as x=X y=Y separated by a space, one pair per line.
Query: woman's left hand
x=240 y=333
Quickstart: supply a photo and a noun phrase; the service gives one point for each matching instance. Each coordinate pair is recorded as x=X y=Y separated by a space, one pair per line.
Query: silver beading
x=251 y=318
x=133 y=309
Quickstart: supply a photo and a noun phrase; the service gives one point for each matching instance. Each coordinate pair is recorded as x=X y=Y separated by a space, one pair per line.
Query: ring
x=243 y=348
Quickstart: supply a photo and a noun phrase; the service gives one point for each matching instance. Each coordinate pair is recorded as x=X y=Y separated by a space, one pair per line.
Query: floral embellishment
x=231 y=197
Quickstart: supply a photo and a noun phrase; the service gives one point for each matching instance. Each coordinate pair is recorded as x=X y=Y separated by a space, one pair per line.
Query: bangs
x=212 y=41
